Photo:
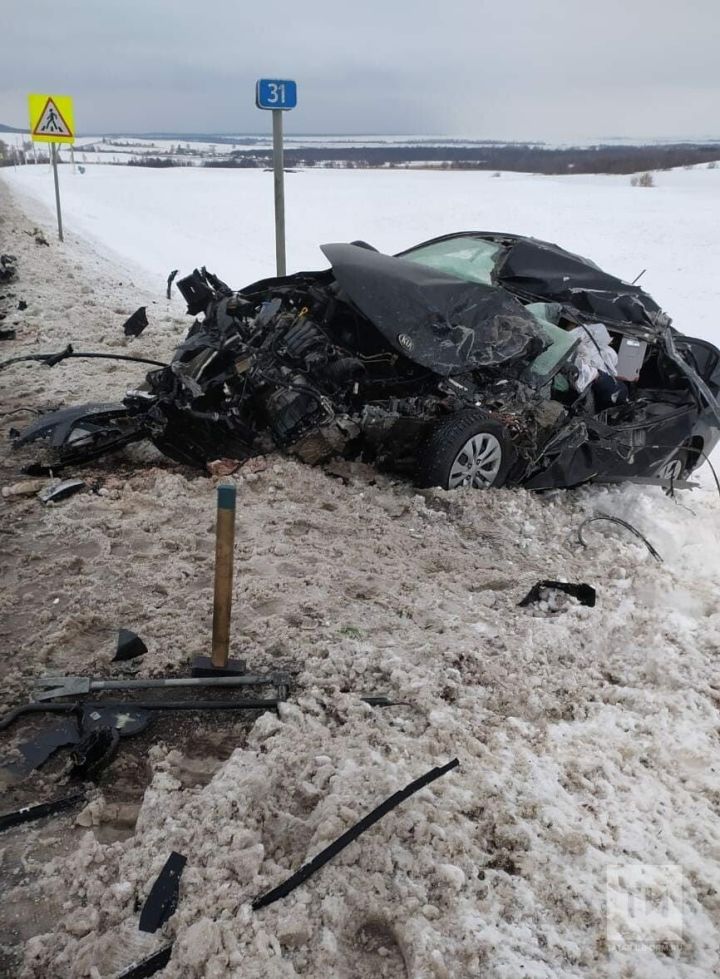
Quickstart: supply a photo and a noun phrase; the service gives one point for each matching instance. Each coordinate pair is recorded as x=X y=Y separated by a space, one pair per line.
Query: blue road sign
x=275 y=93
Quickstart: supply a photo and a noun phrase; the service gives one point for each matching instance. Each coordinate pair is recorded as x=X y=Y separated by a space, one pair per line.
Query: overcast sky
x=525 y=69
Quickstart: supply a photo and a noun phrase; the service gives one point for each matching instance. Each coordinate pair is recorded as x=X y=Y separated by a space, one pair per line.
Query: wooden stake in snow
x=224 y=554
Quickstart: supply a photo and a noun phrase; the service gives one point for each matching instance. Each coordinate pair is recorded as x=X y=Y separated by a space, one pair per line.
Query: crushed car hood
x=436 y=320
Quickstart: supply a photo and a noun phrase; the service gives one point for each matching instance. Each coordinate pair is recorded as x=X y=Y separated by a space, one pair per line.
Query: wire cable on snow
x=282 y=890
x=52 y=359
x=623 y=523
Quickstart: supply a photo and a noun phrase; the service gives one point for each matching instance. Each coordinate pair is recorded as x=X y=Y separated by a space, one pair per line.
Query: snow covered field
x=587 y=739
x=161 y=220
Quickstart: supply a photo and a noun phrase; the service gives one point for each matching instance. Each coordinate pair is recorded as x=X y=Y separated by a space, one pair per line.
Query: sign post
x=51 y=121
x=278 y=95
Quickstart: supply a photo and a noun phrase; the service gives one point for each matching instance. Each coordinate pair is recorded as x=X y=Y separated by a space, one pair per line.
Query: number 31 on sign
x=275 y=93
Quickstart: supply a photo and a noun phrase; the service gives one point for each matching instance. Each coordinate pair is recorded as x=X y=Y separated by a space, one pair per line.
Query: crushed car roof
x=535 y=269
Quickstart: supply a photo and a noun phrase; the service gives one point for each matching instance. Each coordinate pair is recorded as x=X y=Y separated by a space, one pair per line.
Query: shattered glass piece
x=471 y=259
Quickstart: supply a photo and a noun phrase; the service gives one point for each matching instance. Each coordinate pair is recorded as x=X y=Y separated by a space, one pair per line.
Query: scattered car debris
x=27 y=487
x=622 y=523
x=130 y=707
x=135 y=324
x=8 y=267
x=170 y=280
x=22 y=305
x=585 y=594
x=38 y=237
x=161 y=902
x=81 y=721
x=94 y=753
x=300 y=876
x=149 y=966
x=50 y=687
x=43 y=745
x=7 y=334
x=455 y=361
x=129 y=646
x=223 y=467
x=61 y=490
x=29 y=814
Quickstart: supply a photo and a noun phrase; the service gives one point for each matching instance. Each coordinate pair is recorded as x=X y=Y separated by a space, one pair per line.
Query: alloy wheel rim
x=478 y=462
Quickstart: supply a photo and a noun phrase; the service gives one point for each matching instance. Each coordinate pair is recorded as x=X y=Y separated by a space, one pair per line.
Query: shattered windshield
x=471 y=259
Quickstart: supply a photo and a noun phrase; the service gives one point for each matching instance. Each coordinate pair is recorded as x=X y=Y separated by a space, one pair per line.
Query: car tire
x=466 y=449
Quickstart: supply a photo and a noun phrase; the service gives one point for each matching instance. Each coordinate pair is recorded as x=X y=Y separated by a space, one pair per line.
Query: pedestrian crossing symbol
x=51 y=119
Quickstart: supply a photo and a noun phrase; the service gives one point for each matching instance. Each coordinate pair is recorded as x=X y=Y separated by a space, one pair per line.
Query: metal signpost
x=51 y=121
x=279 y=95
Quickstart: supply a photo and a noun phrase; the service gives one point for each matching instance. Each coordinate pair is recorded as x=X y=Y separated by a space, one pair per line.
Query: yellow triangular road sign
x=51 y=118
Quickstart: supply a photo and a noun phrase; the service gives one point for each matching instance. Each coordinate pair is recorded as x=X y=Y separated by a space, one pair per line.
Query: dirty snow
x=587 y=738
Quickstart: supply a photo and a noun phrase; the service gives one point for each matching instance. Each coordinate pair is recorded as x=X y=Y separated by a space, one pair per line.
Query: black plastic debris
x=170 y=280
x=94 y=753
x=8 y=267
x=282 y=890
x=22 y=304
x=29 y=814
x=130 y=708
x=129 y=646
x=7 y=334
x=36 y=751
x=585 y=594
x=70 y=730
x=162 y=900
x=60 y=491
x=135 y=324
x=149 y=966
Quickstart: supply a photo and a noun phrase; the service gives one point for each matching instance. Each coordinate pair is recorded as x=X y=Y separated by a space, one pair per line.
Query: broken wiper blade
x=50 y=360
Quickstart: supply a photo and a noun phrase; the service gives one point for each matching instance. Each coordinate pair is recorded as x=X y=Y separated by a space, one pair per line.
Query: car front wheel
x=466 y=449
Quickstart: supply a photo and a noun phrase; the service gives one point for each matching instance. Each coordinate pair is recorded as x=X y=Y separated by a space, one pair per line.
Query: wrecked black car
x=474 y=359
